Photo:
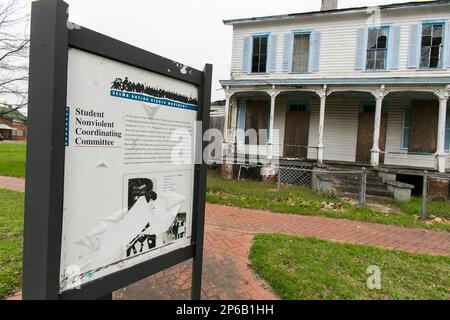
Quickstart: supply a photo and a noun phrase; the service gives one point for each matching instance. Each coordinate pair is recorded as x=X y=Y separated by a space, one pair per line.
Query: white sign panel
x=129 y=170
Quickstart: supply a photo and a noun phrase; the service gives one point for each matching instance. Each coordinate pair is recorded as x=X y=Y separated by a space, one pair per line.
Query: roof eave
x=334 y=12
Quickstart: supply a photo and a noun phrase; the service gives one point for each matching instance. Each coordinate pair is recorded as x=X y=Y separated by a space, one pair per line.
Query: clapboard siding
x=340 y=130
x=338 y=44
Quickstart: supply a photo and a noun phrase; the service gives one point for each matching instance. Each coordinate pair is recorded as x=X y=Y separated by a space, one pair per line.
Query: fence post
x=424 y=212
x=279 y=183
x=362 y=191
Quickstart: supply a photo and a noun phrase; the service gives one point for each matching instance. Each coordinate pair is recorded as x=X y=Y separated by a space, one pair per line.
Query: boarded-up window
x=300 y=54
x=424 y=123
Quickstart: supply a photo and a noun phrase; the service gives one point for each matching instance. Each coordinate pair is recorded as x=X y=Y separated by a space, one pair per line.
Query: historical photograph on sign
x=164 y=223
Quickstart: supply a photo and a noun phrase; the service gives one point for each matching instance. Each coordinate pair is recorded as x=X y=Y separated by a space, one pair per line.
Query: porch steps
x=351 y=183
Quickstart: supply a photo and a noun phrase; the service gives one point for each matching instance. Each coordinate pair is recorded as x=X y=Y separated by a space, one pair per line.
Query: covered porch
x=378 y=125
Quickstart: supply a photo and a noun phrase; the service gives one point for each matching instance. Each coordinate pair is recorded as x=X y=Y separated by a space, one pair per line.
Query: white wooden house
x=362 y=85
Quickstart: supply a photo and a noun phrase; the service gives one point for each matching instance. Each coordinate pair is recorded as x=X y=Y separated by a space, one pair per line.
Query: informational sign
x=114 y=192
x=128 y=184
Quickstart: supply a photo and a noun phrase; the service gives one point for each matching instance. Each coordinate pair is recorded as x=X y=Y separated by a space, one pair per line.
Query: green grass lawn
x=304 y=201
x=12 y=159
x=11 y=240
x=307 y=268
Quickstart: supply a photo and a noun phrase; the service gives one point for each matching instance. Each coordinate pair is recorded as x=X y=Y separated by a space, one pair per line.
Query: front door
x=365 y=136
x=296 y=134
x=257 y=118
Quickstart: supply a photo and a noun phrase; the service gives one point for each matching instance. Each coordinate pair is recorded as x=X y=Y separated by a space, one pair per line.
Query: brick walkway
x=228 y=236
x=11 y=183
x=226 y=274
x=339 y=230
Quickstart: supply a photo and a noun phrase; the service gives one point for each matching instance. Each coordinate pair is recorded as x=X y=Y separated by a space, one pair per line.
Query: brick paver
x=226 y=274
x=228 y=237
x=12 y=183
x=339 y=230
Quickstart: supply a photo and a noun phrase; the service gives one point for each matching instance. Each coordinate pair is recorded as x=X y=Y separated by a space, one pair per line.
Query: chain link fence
x=282 y=178
x=430 y=198
x=435 y=197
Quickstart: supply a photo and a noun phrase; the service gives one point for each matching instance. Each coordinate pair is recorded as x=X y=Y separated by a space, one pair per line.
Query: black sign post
x=51 y=37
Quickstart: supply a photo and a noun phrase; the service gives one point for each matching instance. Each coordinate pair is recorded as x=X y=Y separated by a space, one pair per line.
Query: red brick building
x=13 y=125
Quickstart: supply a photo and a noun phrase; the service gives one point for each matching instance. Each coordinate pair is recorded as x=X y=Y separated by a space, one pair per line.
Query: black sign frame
x=51 y=37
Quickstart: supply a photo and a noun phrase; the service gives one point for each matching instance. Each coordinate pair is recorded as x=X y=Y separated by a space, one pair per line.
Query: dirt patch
x=333 y=206
x=433 y=219
x=377 y=206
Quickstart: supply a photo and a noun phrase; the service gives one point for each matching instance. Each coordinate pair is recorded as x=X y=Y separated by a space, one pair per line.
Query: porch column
x=443 y=96
x=379 y=96
x=323 y=94
x=273 y=95
x=228 y=95
x=226 y=142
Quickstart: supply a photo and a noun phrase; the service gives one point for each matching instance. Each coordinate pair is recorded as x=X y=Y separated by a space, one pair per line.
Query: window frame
x=290 y=103
x=404 y=127
x=386 y=50
x=447 y=131
x=253 y=37
x=299 y=33
x=372 y=104
x=443 y=24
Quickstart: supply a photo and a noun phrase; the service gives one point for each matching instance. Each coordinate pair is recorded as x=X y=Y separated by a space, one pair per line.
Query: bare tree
x=14 y=50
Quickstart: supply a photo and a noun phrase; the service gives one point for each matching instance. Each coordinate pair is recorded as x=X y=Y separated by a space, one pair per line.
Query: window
x=431 y=48
x=406 y=127
x=19 y=133
x=377 y=48
x=447 y=131
x=371 y=107
x=300 y=53
x=259 y=55
x=368 y=108
x=298 y=106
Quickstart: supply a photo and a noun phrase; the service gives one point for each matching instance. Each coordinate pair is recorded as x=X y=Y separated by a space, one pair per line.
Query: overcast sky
x=190 y=32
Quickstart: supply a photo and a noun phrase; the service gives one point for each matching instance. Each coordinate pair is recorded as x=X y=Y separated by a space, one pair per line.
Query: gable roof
x=13 y=115
x=337 y=11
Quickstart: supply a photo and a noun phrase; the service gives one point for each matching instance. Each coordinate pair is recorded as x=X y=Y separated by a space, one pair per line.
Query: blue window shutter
x=447 y=43
x=247 y=55
x=314 y=61
x=272 y=54
x=394 y=48
x=361 y=44
x=241 y=122
x=414 y=46
x=287 y=53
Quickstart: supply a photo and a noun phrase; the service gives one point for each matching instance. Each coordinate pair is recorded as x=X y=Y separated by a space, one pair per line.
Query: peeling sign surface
x=128 y=175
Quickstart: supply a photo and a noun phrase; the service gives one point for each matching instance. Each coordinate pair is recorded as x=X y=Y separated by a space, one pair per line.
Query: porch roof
x=337 y=81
